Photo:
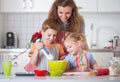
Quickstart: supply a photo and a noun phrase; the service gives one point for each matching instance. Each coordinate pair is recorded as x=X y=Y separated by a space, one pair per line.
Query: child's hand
x=81 y=69
x=39 y=45
x=84 y=68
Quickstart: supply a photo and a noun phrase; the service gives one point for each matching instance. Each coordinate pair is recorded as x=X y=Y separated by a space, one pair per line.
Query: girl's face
x=73 y=47
x=64 y=13
x=49 y=36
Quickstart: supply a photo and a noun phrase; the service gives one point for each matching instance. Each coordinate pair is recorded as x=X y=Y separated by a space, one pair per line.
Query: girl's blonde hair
x=75 y=22
x=50 y=23
x=75 y=36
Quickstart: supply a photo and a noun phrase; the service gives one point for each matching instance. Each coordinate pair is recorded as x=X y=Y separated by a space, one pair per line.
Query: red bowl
x=40 y=72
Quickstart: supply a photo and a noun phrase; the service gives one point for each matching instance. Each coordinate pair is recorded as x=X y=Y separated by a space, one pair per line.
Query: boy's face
x=49 y=36
x=71 y=46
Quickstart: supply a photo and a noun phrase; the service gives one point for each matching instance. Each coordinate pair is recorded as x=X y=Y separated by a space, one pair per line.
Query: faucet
x=111 y=41
x=92 y=31
x=93 y=45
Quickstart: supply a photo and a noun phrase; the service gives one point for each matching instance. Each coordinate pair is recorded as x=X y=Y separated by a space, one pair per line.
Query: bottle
x=113 y=67
x=46 y=52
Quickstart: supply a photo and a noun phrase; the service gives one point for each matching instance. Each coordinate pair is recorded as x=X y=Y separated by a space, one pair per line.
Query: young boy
x=78 y=58
x=49 y=31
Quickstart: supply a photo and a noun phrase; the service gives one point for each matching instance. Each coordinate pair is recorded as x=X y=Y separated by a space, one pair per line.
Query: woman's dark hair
x=75 y=22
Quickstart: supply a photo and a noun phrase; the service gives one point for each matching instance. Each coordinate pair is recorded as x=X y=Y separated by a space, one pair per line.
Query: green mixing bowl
x=57 y=65
x=56 y=73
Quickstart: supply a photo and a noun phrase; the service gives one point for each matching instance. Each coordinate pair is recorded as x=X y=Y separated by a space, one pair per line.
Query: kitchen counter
x=105 y=50
x=101 y=50
x=13 y=50
x=105 y=78
x=92 y=50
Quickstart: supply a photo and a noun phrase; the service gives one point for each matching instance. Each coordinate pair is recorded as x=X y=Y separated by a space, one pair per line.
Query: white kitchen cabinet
x=40 y=5
x=13 y=5
x=87 y=5
x=98 y=5
x=1 y=71
x=25 y=5
x=102 y=58
x=117 y=53
x=108 y=5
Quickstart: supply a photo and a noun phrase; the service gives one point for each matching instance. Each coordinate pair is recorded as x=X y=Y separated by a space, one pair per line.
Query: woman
x=66 y=13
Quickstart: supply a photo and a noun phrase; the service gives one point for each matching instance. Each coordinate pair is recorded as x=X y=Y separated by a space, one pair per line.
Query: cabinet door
x=102 y=58
x=109 y=5
x=26 y=5
x=117 y=53
x=1 y=60
x=39 y=5
x=87 y=5
x=1 y=29
x=13 y=5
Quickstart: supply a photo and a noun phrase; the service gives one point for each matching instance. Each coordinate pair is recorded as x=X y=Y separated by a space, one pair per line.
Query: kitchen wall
x=23 y=25
x=105 y=27
x=100 y=27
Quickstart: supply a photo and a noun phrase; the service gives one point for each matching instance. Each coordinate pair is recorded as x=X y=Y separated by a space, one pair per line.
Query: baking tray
x=24 y=74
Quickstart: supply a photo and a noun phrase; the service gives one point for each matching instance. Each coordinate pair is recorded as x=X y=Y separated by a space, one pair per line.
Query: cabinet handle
x=24 y=4
x=15 y=64
x=31 y=4
x=80 y=8
x=9 y=56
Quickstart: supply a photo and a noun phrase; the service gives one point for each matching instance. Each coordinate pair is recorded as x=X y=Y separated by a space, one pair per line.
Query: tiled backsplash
x=25 y=24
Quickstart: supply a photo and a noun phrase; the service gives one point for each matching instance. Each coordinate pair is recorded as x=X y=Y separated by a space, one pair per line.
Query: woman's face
x=49 y=36
x=64 y=13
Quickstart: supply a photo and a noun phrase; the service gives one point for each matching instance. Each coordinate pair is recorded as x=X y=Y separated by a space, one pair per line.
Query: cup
x=6 y=66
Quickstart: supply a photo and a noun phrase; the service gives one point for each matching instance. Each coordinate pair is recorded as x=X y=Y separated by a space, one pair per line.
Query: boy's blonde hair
x=75 y=36
x=50 y=23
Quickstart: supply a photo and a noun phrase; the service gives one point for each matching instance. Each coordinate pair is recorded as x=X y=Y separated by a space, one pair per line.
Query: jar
x=118 y=59
x=113 y=67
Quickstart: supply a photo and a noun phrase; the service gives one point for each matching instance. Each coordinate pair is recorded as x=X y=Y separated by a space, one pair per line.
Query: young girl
x=79 y=60
x=38 y=60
